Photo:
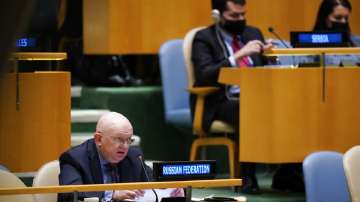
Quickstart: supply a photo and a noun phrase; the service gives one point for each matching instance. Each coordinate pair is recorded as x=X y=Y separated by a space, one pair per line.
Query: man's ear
x=97 y=138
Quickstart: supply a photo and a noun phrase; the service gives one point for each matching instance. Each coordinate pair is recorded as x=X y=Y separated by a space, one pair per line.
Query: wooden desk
x=39 y=56
x=283 y=116
x=122 y=186
x=311 y=51
x=39 y=130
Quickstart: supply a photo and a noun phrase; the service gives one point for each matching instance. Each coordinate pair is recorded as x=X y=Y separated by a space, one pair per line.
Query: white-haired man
x=106 y=158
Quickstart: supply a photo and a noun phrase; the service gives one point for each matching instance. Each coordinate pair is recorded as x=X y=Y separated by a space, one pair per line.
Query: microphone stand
x=272 y=31
x=147 y=177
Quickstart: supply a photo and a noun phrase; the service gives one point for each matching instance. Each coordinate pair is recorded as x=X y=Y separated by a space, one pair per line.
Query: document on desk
x=150 y=196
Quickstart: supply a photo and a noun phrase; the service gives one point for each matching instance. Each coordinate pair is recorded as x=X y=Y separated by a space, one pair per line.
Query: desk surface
x=122 y=186
x=39 y=56
x=311 y=51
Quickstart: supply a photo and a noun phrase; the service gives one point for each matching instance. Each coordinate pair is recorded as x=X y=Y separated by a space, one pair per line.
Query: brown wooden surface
x=122 y=186
x=141 y=26
x=39 y=56
x=40 y=131
x=311 y=51
x=283 y=117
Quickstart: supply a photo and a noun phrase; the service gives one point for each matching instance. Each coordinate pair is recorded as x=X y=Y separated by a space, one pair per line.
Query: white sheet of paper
x=150 y=196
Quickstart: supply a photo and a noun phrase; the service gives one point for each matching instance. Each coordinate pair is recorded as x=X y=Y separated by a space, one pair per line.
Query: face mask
x=340 y=27
x=235 y=27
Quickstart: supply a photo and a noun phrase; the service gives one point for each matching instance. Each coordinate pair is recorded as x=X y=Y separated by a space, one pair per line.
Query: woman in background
x=333 y=15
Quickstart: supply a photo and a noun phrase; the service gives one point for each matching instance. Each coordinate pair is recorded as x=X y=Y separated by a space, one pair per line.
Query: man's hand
x=269 y=44
x=252 y=47
x=178 y=192
x=127 y=194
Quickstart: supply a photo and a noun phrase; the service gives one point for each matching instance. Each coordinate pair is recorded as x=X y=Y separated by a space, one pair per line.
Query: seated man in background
x=229 y=43
x=107 y=158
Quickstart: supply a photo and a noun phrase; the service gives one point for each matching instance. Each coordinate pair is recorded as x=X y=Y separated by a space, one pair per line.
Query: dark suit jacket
x=209 y=54
x=81 y=165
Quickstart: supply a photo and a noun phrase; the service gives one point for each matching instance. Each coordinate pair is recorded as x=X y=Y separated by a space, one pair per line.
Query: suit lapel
x=249 y=36
x=219 y=42
x=125 y=171
x=95 y=163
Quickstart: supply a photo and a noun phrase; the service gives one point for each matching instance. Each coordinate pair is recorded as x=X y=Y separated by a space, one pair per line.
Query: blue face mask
x=235 y=27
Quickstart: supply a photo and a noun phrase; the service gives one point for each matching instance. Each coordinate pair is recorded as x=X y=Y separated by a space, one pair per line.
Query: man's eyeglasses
x=121 y=141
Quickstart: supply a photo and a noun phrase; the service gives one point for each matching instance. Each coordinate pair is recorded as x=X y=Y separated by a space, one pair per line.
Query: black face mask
x=340 y=27
x=235 y=27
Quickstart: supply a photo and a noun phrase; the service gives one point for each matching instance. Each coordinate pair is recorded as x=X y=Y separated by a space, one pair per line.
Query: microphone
x=215 y=15
x=147 y=177
x=272 y=31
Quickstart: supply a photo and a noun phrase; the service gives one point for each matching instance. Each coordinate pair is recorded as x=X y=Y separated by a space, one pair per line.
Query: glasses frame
x=119 y=140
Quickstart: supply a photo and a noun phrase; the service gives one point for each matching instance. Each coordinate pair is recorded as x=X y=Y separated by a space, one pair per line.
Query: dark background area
x=56 y=26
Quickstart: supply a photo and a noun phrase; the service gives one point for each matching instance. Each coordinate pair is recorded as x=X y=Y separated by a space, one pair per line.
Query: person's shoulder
x=135 y=152
x=206 y=32
x=252 y=33
x=253 y=29
x=133 y=157
x=78 y=152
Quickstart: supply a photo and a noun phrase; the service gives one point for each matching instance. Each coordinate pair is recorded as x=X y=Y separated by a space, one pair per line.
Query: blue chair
x=174 y=84
x=177 y=80
x=325 y=177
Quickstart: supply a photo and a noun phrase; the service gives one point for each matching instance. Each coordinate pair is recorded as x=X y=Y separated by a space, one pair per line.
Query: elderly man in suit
x=107 y=158
x=228 y=43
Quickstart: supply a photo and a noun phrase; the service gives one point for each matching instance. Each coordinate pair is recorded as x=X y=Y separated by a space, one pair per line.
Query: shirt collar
x=103 y=161
x=228 y=38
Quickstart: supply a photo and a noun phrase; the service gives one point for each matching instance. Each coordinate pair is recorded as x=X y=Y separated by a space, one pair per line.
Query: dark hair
x=326 y=8
x=221 y=4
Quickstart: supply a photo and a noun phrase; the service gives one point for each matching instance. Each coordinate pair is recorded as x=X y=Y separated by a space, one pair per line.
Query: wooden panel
x=40 y=131
x=139 y=26
x=96 y=27
x=355 y=17
x=283 y=117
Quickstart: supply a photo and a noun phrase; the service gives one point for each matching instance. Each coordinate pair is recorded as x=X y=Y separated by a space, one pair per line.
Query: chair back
x=352 y=168
x=187 y=49
x=48 y=175
x=9 y=180
x=174 y=84
x=325 y=178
